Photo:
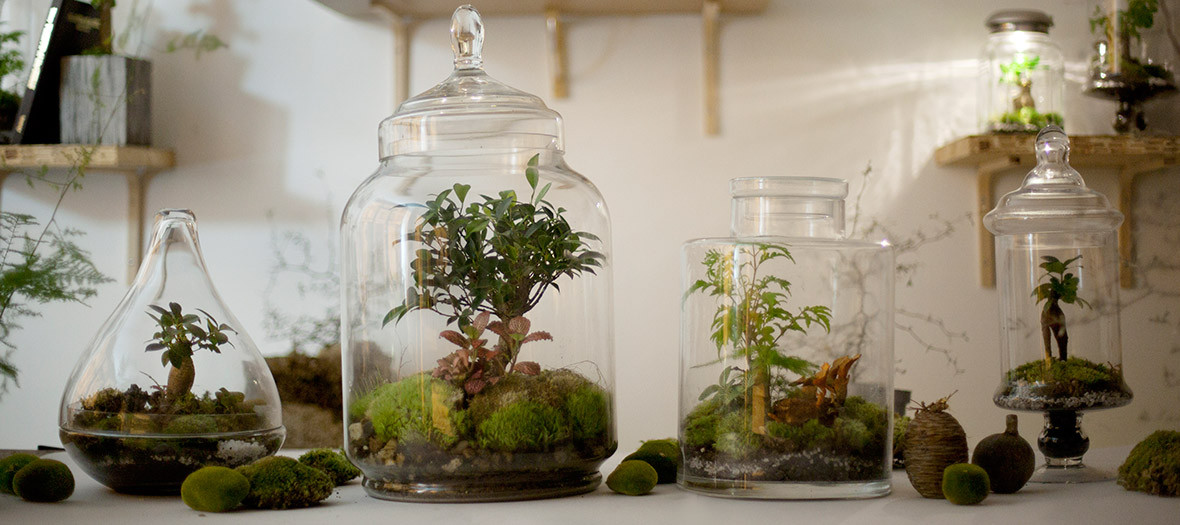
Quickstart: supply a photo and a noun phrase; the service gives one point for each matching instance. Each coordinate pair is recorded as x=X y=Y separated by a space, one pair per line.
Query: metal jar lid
x=1019 y=20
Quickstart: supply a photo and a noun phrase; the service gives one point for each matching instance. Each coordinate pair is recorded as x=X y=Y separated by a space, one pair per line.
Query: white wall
x=284 y=123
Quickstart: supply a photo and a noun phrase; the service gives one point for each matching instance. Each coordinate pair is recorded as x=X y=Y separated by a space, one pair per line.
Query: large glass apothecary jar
x=1021 y=75
x=1058 y=273
x=172 y=381
x=786 y=367
x=476 y=326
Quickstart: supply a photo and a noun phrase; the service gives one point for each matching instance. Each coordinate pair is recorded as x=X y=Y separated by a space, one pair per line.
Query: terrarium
x=476 y=318
x=1022 y=74
x=1129 y=63
x=786 y=367
x=1057 y=270
x=171 y=382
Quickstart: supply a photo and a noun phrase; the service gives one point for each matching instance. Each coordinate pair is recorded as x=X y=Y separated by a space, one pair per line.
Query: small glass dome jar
x=171 y=382
x=476 y=317
x=786 y=361
x=1022 y=74
x=1057 y=269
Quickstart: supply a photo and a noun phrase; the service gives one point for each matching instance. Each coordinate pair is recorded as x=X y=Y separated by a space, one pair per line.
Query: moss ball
x=8 y=468
x=662 y=454
x=278 y=482
x=44 y=480
x=1153 y=466
x=333 y=463
x=633 y=478
x=214 y=489
x=965 y=484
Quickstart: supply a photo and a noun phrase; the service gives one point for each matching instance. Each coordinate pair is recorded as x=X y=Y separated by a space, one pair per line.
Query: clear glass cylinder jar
x=476 y=321
x=786 y=367
x=1022 y=74
x=171 y=382
x=1058 y=273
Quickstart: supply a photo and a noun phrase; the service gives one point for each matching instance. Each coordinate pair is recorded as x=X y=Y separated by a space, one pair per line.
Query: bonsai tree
x=752 y=318
x=1019 y=73
x=495 y=255
x=179 y=336
x=1061 y=287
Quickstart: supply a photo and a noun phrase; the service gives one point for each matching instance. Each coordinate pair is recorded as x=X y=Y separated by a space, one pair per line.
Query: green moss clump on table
x=43 y=481
x=279 y=482
x=214 y=489
x=8 y=468
x=1153 y=465
x=333 y=463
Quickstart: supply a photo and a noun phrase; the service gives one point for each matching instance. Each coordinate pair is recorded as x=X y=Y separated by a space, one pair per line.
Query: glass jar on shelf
x=786 y=366
x=1022 y=74
x=476 y=317
x=1133 y=58
x=172 y=382
x=1057 y=270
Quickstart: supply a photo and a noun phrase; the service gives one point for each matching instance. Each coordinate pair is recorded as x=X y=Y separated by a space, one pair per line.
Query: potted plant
x=105 y=98
x=774 y=416
x=1059 y=382
x=483 y=264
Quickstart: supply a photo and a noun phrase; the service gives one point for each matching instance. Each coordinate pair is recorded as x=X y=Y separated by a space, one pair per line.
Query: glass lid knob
x=467 y=38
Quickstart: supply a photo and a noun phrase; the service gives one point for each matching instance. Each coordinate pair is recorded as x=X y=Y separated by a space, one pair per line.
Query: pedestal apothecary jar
x=1058 y=274
x=1134 y=57
x=786 y=366
x=1022 y=74
x=476 y=322
x=172 y=382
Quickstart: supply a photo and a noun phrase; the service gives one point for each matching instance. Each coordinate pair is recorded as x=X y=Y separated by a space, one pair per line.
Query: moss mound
x=633 y=478
x=8 y=468
x=965 y=484
x=417 y=408
x=1153 y=466
x=533 y=413
x=214 y=489
x=524 y=426
x=279 y=482
x=1083 y=372
x=333 y=463
x=43 y=480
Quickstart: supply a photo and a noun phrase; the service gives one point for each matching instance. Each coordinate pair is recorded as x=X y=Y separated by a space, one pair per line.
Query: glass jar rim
x=803 y=187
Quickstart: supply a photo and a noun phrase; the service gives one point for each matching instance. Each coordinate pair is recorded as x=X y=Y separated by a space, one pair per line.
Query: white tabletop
x=1103 y=502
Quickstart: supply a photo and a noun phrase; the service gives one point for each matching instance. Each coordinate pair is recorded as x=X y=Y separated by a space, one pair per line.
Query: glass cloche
x=1022 y=74
x=476 y=327
x=1057 y=270
x=172 y=382
x=786 y=366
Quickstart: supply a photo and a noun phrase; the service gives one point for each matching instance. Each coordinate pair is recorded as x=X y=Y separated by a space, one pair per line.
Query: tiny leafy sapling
x=752 y=318
x=180 y=335
x=491 y=256
x=1061 y=287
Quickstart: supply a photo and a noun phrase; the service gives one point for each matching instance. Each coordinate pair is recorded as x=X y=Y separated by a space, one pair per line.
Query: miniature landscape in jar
x=1060 y=381
x=483 y=263
x=1022 y=115
x=774 y=416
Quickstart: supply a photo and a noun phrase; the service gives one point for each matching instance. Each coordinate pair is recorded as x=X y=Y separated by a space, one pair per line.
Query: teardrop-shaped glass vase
x=171 y=382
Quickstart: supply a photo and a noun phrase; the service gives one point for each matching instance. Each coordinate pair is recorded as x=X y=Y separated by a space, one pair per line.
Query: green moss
x=633 y=478
x=278 y=482
x=333 y=463
x=524 y=426
x=1084 y=372
x=418 y=408
x=1153 y=466
x=8 y=468
x=667 y=447
x=588 y=410
x=965 y=484
x=853 y=434
x=1028 y=117
x=700 y=426
x=734 y=436
x=809 y=435
x=663 y=458
x=214 y=489
x=192 y=425
x=43 y=481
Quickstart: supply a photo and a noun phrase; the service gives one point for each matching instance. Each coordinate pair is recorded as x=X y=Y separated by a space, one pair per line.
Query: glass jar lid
x=470 y=113
x=1019 y=20
x=1053 y=197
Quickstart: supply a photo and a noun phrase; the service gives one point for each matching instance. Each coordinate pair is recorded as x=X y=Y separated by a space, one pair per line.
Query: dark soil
x=771 y=465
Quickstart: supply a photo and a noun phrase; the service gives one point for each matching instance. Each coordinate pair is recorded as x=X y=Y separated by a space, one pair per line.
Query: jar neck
x=787 y=216
x=506 y=160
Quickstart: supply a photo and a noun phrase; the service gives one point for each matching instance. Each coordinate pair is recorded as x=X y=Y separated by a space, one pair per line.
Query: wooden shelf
x=991 y=154
x=406 y=14
x=137 y=163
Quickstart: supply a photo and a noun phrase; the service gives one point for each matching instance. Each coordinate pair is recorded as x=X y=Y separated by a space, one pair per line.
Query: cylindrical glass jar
x=1022 y=74
x=1057 y=270
x=1133 y=60
x=476 y=319
x=786 y=366
x=171 y=382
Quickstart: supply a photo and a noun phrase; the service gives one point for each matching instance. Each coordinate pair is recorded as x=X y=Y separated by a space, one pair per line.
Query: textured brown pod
x=934 y=441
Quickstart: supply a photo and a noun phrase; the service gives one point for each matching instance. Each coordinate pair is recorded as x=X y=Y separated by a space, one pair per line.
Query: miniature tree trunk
x=180 y=380
x=758 y=402
x=1053 y=327
x=106 y=40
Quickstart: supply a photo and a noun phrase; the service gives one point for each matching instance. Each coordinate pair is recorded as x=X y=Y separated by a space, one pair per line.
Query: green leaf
x=461 y=191
x=532 y=175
